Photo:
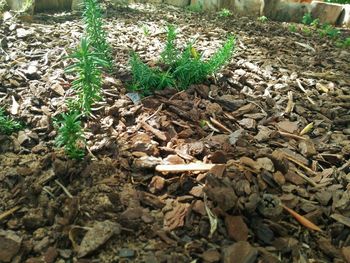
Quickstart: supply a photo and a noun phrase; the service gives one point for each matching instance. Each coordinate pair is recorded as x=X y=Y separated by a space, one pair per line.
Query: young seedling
x=263 y=19
x=7 y=124
x=70 y=135
x=170 y=52
x=345 y=43
x=224 y=13
x=146 y=79
x=145 y=30
x=93 y=22
x=195 y=8
x=292 y=28
x=329 y=31
x=307 y=19
x=87 y=84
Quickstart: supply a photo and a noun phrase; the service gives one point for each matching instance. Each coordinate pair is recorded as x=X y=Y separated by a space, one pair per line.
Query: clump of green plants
x=224 y=13
x=88 y=82
x=70 y=135
x=180 y=68
x=307 y=19
x=7 y=124
x=145 y=30
x=195 y=8
x=94 y=29
x=292 y=28
x=146 y=79
x=345 y=43
x=263 y=19
x=329 y=31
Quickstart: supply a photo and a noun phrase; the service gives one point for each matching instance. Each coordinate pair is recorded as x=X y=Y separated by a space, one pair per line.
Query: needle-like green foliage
x=88 y=76
x=183 y=68
x=97 y=35
x=7 y=124
x=70 y=135
x=170 y=52
x=147 y=79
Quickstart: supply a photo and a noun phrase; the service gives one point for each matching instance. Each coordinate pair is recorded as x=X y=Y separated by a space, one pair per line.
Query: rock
x=50 y=255
x=180 y=3
x=10 y=244
x=210 y=5
x=344 y=17
x=285 y=11
x=77 y=5
x=249 y=7
x=326 y=12
x=52 y=5
x=240 y=252
x=211 y=256
x=97 y=236
x=126 y=253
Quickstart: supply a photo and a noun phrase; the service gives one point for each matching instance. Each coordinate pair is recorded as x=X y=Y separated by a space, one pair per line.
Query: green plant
x=315 y=23
x=345 y=43
x=292 y=28
x=195 y=8
x=329 y=31
x=145 y=30
x=7 y=124
x=262 y=19
x=338 y=1
x=182 y=68
x=224 y=13
x=88 y=76
x=307 y=19
x=94 y=28
x=307 y=31
x=146 y=79
x=70 y=135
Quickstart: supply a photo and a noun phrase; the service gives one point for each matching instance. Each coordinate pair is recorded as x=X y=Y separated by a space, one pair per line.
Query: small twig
x=291 y=135
x=8 y=212
x=220 y=125
x=307 y=179
x=301 y=165
x=64 y=189
x=290 y=104
x=155 y=113
x=303 y=90
x=178 y=168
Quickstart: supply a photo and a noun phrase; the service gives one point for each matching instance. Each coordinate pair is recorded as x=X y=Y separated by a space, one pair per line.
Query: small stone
x=240 y=252
x=126 y=253
x=50 y=255
x=211 y=256
x=10 y=244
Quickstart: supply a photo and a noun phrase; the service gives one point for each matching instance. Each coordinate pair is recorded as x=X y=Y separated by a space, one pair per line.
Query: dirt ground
x=272 y=179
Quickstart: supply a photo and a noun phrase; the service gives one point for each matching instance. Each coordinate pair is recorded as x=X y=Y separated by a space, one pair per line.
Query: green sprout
x=292 y=28
x=7 y=124
x=329 y=31
x=263 y=19
x=195 y=8
x=146 y=79
x=307 y=19
x=145 y=30
x=70 y=135
x=345 y=43
x=94 y=28
x=182 y=68
x=224 y=13
x=88 y=80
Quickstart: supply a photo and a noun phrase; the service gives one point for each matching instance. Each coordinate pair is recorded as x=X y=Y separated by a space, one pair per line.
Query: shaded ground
x=277 y=83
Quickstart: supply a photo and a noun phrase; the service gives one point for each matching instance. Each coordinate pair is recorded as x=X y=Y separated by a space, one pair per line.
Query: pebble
x=126 y=253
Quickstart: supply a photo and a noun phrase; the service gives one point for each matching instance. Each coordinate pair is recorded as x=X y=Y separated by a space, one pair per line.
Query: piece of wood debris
x=178 y=168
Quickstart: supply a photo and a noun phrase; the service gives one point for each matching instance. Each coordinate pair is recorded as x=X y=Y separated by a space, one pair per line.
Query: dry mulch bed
x=247 y=120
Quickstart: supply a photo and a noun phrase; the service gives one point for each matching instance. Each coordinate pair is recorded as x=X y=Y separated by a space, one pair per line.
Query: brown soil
x=115 y=207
